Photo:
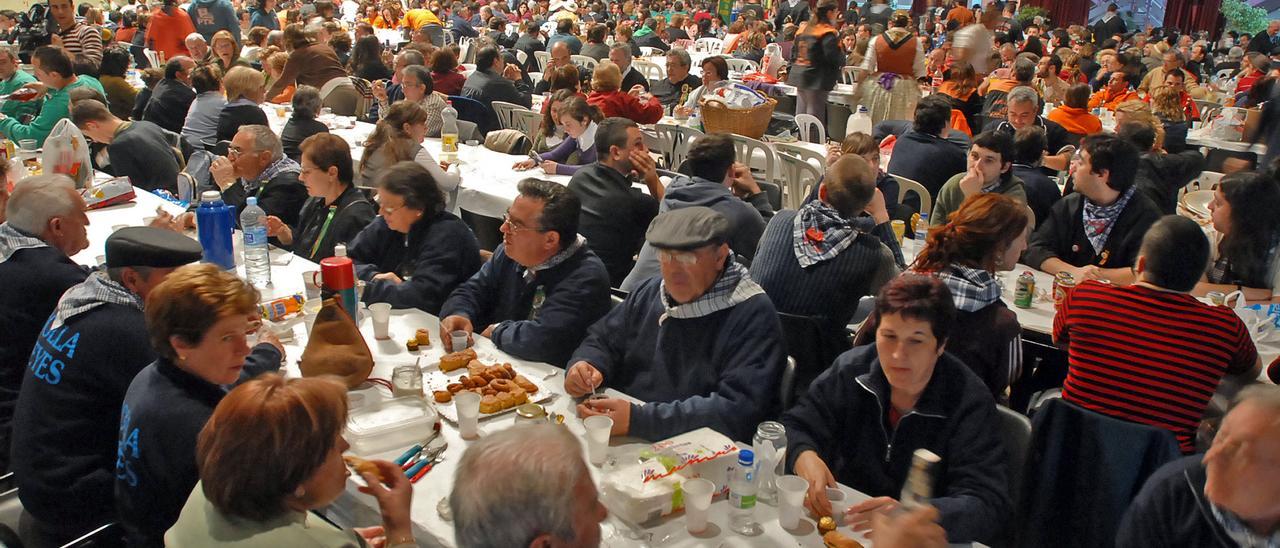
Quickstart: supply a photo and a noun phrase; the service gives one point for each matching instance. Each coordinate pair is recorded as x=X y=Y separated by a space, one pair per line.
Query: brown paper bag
x=336 y=347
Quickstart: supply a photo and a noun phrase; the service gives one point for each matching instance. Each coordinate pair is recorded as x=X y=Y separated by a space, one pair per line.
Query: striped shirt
x=83 y=39
x=1149 y=356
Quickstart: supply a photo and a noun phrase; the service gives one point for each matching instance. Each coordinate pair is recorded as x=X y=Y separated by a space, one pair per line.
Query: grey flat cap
x=688 y=228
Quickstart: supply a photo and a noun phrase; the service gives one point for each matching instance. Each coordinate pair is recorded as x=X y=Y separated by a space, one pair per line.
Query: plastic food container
x=390 y=424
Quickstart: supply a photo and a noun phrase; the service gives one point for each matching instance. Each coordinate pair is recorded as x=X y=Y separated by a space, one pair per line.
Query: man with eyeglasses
x=559 y=57
x=542 y=289
x=676 y=87
x=701 y=344
x=255 y=165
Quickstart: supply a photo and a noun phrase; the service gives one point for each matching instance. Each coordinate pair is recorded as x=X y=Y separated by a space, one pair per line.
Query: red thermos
x=338 y=277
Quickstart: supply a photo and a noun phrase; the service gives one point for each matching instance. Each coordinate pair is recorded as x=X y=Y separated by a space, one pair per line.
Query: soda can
x=1217 y=298
x=1024 y=291
x=280 y=308
x=1063 y=283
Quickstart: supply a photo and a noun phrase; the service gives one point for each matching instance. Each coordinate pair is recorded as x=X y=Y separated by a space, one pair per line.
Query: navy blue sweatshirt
x=574 y=294
x=163 y=412
x=435 y=257
x=720 y=370
x=844 y=419
x=33 y=280
x=68 y=415
x=1171 y=510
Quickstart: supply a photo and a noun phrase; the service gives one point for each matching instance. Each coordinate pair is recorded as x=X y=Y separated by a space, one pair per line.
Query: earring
x=300 y=492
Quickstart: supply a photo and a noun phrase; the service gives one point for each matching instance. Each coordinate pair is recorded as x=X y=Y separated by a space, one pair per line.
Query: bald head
x=559 y=54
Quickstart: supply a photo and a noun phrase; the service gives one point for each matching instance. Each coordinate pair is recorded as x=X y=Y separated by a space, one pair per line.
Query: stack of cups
x=697 y=503
x=791 y=490
x=598 y=428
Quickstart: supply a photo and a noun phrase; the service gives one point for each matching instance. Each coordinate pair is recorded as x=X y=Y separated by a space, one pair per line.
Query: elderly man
x=1267 y=40
x=74 y=35
x=460 y=22
x=1172 y=62
x=613 y=213
x=542 y=289
x=620 y=54
x=1117 y=91
x=198 y=47
x=1230 y=496
x=1095 y=232
x=68 y=413
x=559 y=57
x=990 y=169
x=674 y=90
x=701 y=344
x=544 y=497
x=389 y=93
x=11 y=79
x=141 y=150
x=717 y=182
x=172 y=96
x=495 y=80
x=57 y=78
x=44 y=226
x=255 y=165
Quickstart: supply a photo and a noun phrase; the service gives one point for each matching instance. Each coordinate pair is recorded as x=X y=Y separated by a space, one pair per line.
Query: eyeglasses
x=234 y=151
x=387 y=210
x=514 y=228
x=686 y=258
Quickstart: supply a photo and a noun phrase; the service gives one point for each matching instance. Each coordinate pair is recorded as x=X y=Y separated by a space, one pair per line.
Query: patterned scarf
x=283 y=165
x=972 y=289
x=733 y=287
x=12 y=240
x=1099 y=220
x=94 y=291
x=819 y=233
x=1240 y=532
x=556 y=259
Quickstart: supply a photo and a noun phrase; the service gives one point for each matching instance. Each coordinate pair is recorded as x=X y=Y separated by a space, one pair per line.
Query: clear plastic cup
x=598 y=428
x=381 y=313
x=697 y=503
x=839 y=503
x=459 y=340
x=468 y=407
x=791 y=490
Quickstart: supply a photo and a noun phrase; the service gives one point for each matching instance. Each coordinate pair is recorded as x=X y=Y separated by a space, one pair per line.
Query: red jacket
x=625 y=105
x=448 y=83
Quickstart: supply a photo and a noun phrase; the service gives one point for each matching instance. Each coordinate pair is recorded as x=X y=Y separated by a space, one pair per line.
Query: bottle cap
x=252 y=200
x=210 y=196
x=340 y=250
x=746 y=457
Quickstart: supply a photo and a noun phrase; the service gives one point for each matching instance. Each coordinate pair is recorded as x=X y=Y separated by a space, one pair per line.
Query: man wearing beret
x=701 y=344
x=68 y=413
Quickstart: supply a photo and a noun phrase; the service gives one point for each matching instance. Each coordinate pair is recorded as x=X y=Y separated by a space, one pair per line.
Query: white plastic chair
x=522 y=57
x=153 y=57
x=741 y=65
x=1224 y=74
x=504 y=110
x=584 y=61
x=809 y=123
x=906 y=185
x=526 y=121
x=817 y=160
x=709 y=45
x=682 y=138
x=798 y=178
x=542 y=57
x=652 y=71
x=745 y=149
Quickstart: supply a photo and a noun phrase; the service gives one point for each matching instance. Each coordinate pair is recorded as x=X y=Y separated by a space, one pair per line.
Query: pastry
x=826 y=524
x=456 y=360
x=412 y=345
x=526 y=384
x=489 y=404
x=454 y=387
x=423 y=337
x=503 y=385
x=504 y=400
x=835 y=539
x=362 y=467
x=474 y=368
x=519 y=397
x=443 y=396
x=511 y=371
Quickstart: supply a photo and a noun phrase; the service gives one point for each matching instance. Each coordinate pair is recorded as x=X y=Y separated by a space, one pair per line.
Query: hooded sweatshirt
x=211 y=16
x=986 y=335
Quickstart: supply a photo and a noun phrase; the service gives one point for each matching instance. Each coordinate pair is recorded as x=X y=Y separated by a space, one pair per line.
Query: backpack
x=508 y=141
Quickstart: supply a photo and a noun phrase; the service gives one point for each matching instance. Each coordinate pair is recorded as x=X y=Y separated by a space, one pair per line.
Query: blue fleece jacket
x=437 y=255
x=211 y=16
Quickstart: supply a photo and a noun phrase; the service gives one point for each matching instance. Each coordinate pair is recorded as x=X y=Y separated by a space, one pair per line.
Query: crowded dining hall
x=639 y=273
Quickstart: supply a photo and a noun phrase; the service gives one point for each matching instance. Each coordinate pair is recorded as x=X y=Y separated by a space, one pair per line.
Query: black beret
x=152 y=247
x=688 y=228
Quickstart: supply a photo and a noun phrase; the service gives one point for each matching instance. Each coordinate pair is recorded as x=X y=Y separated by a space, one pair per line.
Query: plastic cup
x=28 y=146
x=381 y=313
x=459 y=340
x=697 y=503
x=791 y=490
x=899 y=229
x=468 y=407
x=839 y=503
x=598 y=428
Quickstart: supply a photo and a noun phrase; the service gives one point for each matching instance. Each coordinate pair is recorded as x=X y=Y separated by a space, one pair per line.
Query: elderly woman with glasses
x=336 y=211
x=415 y=253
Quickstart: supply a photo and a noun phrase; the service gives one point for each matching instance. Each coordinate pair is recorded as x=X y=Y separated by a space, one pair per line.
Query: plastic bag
x=1228 y=124
x=734 y=95
x=66 y=152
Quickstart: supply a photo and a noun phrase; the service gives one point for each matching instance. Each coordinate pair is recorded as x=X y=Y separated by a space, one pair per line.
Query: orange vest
x=810 y=37
x=896 y=57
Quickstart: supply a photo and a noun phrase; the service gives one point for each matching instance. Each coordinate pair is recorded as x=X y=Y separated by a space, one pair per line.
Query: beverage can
x=1217 y=298
x=1025 y=290
x=1063 y=283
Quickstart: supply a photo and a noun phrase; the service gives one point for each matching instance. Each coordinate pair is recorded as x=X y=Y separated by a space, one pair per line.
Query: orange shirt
x=1076 y=120
x=418 y=18
x=1110 y=101
x=962 y=15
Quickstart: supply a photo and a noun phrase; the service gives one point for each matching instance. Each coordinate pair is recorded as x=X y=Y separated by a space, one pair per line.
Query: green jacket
x=17 y=109
x=56 y=107
x=950 y=197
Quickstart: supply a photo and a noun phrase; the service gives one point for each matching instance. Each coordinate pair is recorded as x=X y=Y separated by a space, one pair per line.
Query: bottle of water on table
x=922 y=232
x=742 y=494
x=449 y=134
x=257 y=258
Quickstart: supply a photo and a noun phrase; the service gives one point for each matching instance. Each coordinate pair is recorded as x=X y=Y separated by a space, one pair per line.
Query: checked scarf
x=94 y=291
x=819 y=233
x=732 y=287
x=1099 y=220
x=12 y=240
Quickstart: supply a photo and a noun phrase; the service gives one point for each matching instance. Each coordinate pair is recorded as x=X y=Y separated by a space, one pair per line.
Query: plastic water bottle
x=742 y=494
x=922 y=232
x=214 y=226
x=257 y=259
x=859 y=121
x=449 y=134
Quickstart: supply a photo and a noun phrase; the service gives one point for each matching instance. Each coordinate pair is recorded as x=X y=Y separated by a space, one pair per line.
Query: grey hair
x=533 y=496
x=1176 y=55
x=39 y=198
x=306 y=102
x=265 y=139
x=11 y=51
x=116 y=274
x=195 y=36
x=682 y=55
x=623 y=47
x=1235 y=52
x=1266 y=395
x=1022 y=94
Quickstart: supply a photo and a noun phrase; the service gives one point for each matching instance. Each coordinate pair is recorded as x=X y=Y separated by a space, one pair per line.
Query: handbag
x=336 y=347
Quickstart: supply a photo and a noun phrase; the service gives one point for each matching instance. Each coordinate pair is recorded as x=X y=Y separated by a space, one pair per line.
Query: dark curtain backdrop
x=1193 y=15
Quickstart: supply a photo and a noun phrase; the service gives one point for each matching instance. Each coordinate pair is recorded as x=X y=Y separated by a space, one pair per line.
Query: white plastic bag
x=1228 y=124
x=66 y=152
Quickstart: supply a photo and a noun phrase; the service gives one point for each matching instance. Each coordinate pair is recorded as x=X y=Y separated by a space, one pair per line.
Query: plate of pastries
x=501 y=386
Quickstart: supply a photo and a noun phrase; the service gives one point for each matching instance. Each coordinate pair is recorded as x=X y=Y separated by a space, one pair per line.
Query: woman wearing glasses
x=336 y=211
x=415 y=253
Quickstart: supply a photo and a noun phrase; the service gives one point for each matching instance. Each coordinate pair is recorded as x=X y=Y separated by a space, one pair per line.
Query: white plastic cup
x=468 y=407
x=839 y=503
x=598 y=428
x=697 y=503
x=381 y=313
x=310 y=289
x=791 y=491
x=459 y=339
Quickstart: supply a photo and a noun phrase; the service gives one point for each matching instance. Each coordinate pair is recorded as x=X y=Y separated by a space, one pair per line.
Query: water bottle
x=742 y=494
x=859 y=122
x=214 y=226
x=257 y=258
x=922 y=232
x=449 y=134
x=769 y=448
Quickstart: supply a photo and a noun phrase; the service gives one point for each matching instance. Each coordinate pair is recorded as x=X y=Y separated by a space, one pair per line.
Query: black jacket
x=374 y=70
x=487 y=86
x=295 y=131
x=1161 y=176
x=234 y=116
x=529 y=43
x=1261 y=43
x=844 y=419
x=169 y=103
x=282 y=196
x=652 y=40
x=1103 y=30
x=819 y=68
x=946 y=158
x=614 y=216
x=670 y=93
x=1042 y=192
x=435 y=257
x=316 y=233
x=142 y=152
x=799 y=13
x=1062 y=235
x=1171 y=510
x=632 y=78
x=140 y=103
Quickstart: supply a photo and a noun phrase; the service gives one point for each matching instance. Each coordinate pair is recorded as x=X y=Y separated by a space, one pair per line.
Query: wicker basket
x=751 y=122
